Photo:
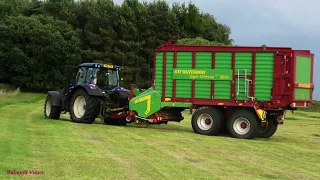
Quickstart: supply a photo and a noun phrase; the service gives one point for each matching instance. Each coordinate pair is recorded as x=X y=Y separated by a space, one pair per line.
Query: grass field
x=61 y=149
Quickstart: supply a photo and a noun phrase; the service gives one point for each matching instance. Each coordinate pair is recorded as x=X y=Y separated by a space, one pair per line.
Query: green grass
x=17 y=97
x=65 y=150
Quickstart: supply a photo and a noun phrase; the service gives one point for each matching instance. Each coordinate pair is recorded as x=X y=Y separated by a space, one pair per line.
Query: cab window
x=81 y=75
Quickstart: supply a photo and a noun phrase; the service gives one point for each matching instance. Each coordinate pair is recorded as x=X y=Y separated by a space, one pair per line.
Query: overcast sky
x=291 y=23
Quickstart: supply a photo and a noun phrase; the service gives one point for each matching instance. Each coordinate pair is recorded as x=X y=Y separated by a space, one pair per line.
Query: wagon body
x=244 y=91
x=268 y=77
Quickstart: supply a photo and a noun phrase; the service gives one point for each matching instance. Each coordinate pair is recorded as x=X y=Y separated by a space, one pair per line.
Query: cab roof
x=99 y=65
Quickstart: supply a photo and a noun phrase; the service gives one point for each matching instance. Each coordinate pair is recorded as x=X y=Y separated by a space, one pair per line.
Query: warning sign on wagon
x=203 y=74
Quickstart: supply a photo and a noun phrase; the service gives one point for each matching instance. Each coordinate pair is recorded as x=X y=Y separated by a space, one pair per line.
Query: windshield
x=106 y=78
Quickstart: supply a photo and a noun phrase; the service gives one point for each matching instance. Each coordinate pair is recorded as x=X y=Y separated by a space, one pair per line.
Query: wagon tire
x=207 y=121
x=50 y=111
x=269 y=130
x=83 y=107
x=243 y=124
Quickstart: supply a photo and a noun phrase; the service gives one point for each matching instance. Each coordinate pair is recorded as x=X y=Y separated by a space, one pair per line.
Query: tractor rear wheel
x=50 y=111
x=207 y=121
x=243 y=124
x=84 y=108
x=268 y=129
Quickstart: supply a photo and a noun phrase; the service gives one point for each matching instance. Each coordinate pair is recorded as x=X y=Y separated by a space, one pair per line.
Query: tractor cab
x=102 y=76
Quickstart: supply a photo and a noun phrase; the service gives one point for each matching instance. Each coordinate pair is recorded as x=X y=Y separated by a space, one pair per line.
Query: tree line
x=39 y=40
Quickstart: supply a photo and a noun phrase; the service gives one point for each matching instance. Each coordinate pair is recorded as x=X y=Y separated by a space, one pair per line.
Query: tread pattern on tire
x=92 y=108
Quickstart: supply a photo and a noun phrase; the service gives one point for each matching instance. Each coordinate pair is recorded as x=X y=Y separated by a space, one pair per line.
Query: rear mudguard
x=55 y=98
x=92 y=90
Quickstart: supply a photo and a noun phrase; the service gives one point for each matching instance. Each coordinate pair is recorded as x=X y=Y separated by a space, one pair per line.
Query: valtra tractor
x=245 y=91
x=91 y=91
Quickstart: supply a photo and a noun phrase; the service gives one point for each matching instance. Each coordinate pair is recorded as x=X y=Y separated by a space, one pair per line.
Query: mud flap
x=262 y=114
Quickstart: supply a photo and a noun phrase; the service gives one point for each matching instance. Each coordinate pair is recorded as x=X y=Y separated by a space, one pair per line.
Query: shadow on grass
x=316 y=135
x=315 y=117
x=161 y=127
x=311 y=110
x=170 y=127
x=292 y=118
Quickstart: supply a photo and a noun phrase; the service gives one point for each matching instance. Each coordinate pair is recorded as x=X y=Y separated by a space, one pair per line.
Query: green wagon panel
x=169 y=74
x=222 y=89
x=303 y=69
x=203 y=88
x=184 y=86
x=302 y=94
x=243 y=61
x=243 y=66
x=159 y=72
x=264 y=76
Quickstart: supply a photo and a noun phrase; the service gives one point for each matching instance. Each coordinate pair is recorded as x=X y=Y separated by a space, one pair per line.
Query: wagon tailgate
x=303 y=77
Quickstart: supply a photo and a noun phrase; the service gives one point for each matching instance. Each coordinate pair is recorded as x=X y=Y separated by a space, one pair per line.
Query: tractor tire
x=83 y=107
x=269 y=129
x=243 y=124
x=50 y=111
x=207 y=121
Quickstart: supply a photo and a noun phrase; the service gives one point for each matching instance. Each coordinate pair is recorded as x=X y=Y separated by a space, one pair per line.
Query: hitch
x=133 y=118
x=143 y=120
x=140 y=120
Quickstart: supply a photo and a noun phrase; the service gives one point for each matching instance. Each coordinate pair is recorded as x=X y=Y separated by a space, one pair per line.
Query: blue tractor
x=91 y=91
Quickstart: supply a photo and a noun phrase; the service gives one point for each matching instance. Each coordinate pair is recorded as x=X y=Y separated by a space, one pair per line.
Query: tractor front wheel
x=50 y=111
x=84 y=108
